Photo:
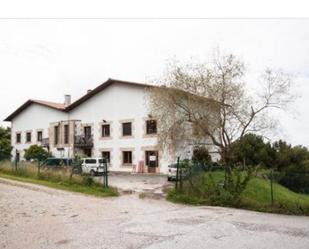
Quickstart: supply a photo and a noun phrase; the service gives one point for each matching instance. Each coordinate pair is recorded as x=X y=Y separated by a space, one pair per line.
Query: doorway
x=17 y=156
x=152 y=160
x=87 y=152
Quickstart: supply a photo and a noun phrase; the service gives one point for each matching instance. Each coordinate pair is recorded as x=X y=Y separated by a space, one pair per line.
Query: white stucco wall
x=116 y=103
x=34 y=117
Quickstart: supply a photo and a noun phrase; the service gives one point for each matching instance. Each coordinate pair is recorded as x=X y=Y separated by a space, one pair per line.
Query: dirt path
x=38 y=217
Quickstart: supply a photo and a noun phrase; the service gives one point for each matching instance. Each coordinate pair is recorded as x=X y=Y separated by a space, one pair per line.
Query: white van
x=92 y=166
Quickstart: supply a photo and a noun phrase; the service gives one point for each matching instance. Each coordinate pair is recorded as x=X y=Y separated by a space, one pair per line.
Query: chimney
x=67 y=100
x=88 y=91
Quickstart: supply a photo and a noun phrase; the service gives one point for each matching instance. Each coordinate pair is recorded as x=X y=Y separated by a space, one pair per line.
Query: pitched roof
x=53 y=105
x=100 y=88
x=62 y=107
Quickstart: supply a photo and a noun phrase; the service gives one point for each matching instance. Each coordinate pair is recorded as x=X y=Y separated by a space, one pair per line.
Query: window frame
x=109 y=155
x=56 y=135
x=30 y=136
x=18 y=135
x=66 y=133
x=123 y=129
x=129 y=162
x=156 y=127
x=37 y=136
x=102 y=130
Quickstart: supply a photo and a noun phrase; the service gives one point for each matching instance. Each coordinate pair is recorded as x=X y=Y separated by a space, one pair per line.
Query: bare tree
x=211 y=102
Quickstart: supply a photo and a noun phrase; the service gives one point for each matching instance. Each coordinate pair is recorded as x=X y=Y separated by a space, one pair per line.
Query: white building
x=112 y=121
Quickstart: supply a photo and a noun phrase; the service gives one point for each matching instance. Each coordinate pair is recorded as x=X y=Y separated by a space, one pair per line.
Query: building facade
x=111 y=121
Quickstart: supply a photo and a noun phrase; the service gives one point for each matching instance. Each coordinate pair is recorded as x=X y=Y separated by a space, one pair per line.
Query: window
x=106 y=155
x=105 y=130
x=66 y=134
x=39 y=136
x=18 y=138
x=127 y=129
x=87 y=131
x=28 y=137
x=91 y=161
x=151 y=127
x=56 y=135
x=127 y=157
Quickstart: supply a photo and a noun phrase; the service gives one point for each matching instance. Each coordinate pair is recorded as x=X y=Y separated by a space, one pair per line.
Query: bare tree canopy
x=211 y=102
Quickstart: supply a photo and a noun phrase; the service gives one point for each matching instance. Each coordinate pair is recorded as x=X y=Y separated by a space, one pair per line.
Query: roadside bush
x=209 y=188
x=201 y=155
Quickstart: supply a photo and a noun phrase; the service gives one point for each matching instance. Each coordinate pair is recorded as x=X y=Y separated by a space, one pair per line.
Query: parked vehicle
x=93 y=166
x=172 y=171
x=57 y=162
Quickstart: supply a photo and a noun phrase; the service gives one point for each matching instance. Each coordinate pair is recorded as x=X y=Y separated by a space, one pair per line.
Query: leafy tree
x=293 y=165
x=37 y=153
x=5 y=143
x=201 y=155
x=252 y=150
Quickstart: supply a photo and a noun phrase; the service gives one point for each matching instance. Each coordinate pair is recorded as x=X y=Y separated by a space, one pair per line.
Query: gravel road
x=38 y=217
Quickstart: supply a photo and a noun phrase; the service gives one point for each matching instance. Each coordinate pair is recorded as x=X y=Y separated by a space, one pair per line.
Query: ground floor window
x=127 y=157
x=106 y=155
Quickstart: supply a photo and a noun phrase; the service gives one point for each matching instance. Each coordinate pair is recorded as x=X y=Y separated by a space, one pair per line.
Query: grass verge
x=58 y=180
x=255 y=197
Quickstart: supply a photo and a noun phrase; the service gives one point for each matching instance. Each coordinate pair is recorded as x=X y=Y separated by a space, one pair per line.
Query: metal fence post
x=15 y=159
x=106 y=173
x=180 y=178
x=271 y=187
x=177 y=172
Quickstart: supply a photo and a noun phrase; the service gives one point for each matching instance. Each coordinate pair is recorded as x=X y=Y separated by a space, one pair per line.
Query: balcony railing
x=83 y=141
x=45 y=142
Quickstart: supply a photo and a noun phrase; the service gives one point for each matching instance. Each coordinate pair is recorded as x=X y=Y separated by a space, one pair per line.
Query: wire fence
x=297 y=181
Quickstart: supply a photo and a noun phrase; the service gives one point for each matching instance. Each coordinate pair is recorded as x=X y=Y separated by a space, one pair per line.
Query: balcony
x=83 y=141
x=45 y=142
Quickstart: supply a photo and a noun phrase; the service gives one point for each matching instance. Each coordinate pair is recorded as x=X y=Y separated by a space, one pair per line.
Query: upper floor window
x=18 y=137
x=28 y=137
x=151 y=127
x=127 y=129
x=39 y=136
x=87 y=131
x=56 y=135
x=66 y=134
x=105 y=130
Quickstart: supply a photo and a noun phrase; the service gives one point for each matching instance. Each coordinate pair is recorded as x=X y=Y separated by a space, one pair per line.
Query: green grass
x=56 y=179
x=256 y=197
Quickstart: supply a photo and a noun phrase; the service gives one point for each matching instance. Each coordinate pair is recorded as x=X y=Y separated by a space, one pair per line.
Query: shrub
x=35 y=152
x=208 y=188
x=201 y=155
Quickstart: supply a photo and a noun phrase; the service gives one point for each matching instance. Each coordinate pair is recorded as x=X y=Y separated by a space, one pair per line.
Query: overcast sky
x=45 y=59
